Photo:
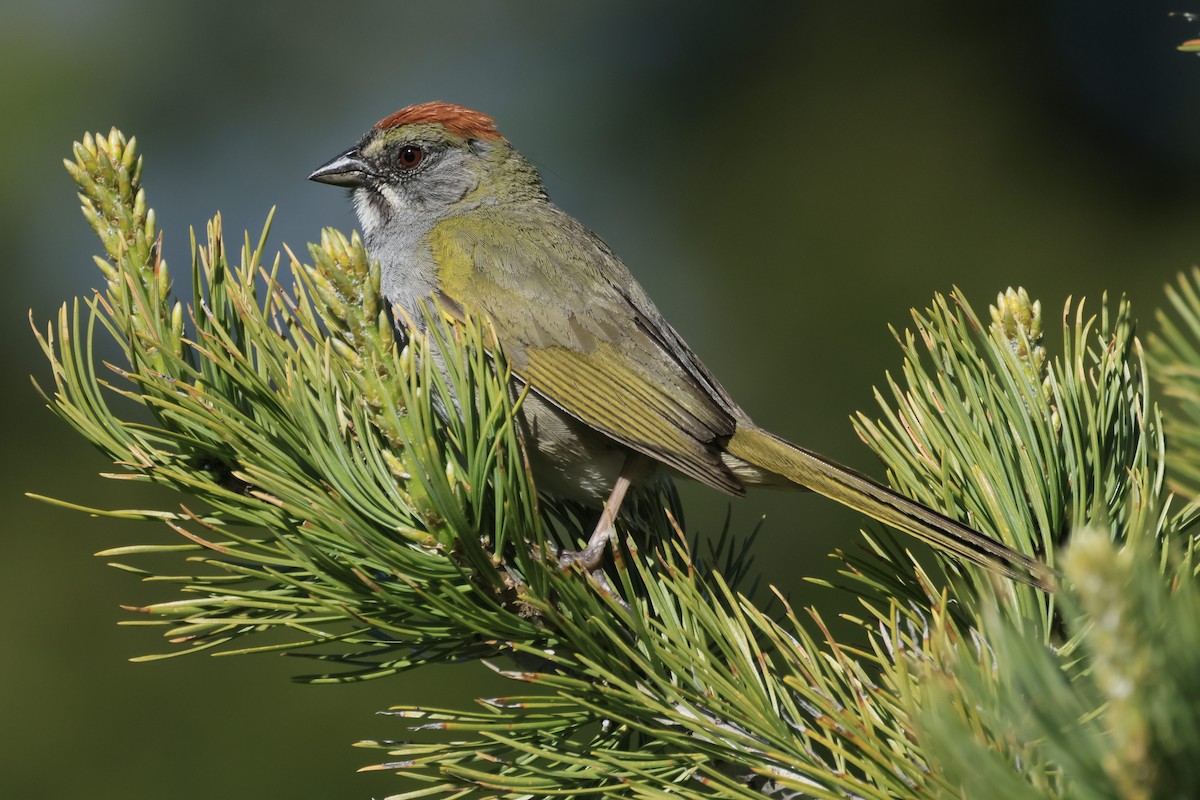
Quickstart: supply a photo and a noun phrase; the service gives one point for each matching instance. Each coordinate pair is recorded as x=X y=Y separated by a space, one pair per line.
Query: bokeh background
x=785 y=179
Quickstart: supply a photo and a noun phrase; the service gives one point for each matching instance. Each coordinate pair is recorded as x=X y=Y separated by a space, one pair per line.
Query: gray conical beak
x=347 y=169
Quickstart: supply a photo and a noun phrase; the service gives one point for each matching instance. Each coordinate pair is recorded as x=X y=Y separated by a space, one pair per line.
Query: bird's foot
x=593 y=553
x=591 y=556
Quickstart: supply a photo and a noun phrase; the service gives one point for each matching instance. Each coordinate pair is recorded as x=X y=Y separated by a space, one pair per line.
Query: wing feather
x=600 y=350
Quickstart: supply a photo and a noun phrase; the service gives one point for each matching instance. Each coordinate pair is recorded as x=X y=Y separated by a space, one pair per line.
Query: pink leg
x=591 y=555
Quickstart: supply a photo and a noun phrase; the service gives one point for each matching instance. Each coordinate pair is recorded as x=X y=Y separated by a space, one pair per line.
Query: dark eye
x=410 y=156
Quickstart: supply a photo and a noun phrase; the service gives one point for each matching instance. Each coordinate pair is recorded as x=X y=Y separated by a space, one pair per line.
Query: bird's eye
x=410 y=156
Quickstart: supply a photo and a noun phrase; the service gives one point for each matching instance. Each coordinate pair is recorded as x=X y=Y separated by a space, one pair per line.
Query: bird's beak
x=347 y=169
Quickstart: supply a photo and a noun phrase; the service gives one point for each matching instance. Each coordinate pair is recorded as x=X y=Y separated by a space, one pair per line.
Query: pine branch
x=348 y=501
x=338 y=509
x=1175 y=352
x=1112 y=716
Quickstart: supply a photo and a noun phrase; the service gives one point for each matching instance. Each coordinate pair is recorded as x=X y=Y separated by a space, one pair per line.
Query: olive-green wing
x=579 y=329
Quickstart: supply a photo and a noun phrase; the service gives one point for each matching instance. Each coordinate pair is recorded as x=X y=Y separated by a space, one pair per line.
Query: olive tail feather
x=811 y=471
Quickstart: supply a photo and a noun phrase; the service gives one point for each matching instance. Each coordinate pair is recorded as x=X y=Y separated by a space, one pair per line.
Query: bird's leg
x=591 y=554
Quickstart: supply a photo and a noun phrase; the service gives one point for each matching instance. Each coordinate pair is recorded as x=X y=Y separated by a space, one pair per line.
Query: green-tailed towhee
x=458 y=218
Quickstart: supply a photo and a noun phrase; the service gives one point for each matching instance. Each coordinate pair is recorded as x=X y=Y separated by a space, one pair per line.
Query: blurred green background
x=792 y=175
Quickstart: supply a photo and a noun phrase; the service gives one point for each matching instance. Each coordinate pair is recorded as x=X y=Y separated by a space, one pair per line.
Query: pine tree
x=333 y=507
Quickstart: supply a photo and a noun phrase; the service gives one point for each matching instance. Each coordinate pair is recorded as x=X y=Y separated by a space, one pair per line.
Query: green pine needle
x=345 y=500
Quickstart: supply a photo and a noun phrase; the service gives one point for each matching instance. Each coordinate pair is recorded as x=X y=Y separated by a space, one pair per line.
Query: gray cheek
x=451 y=191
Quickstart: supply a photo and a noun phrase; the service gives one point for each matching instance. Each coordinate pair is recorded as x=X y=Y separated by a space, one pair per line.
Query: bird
x=460 y=221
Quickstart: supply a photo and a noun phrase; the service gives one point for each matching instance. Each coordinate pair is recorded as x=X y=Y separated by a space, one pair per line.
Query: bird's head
x=430 y=161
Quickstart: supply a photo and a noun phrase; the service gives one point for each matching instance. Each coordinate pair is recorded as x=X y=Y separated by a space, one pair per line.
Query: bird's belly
x=570 y=459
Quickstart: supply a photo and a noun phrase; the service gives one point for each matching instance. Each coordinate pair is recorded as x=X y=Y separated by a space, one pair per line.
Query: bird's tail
x=806 y=469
